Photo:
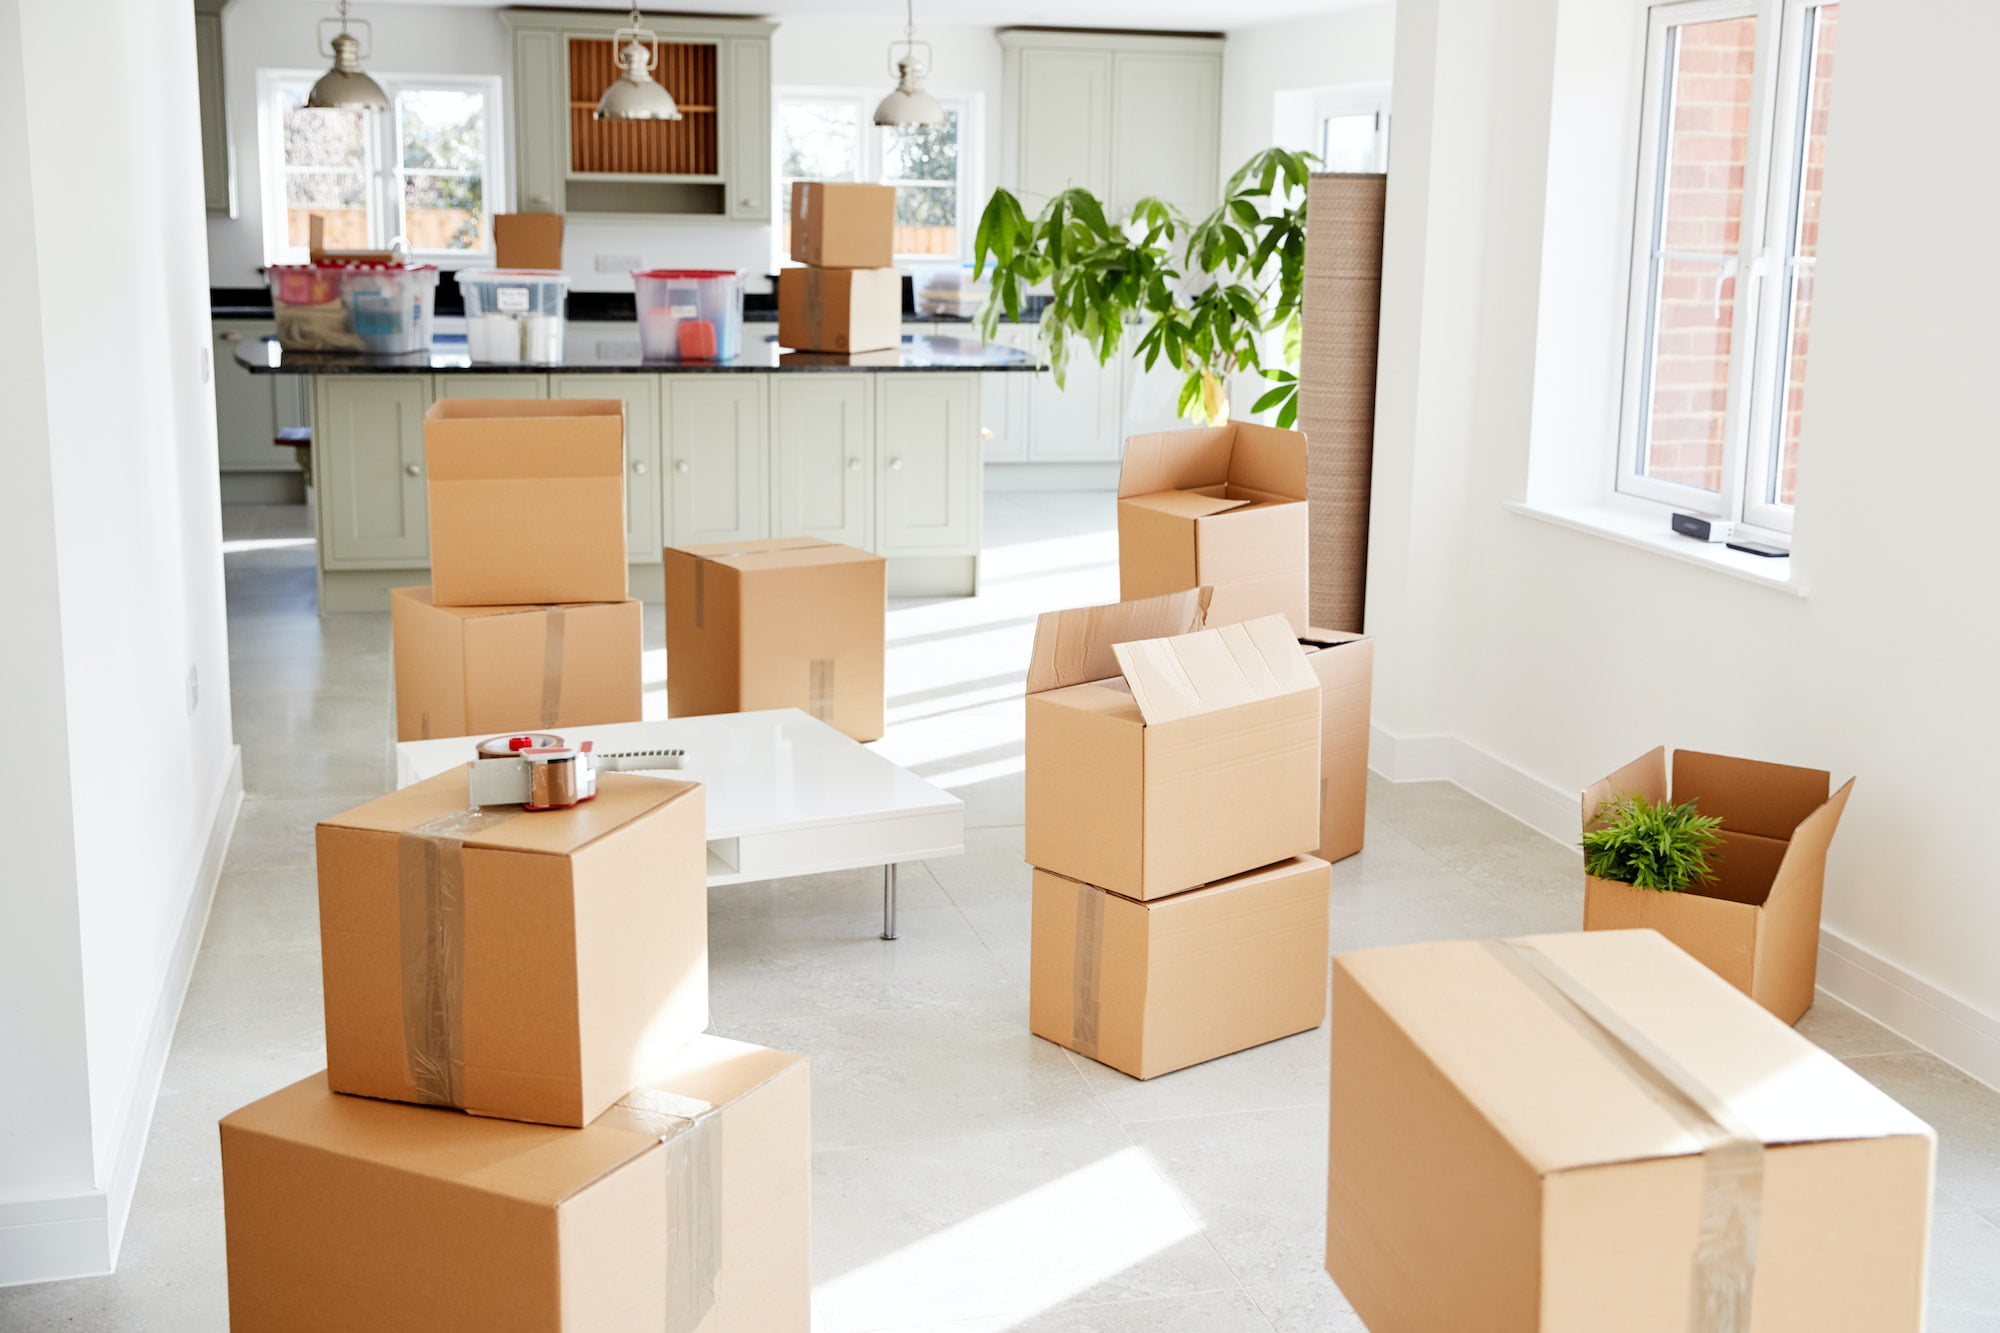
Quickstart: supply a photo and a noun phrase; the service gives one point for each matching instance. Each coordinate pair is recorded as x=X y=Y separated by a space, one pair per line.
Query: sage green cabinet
x=218 y=154
x=821 y=445
x=368 y=461
x=718 y=453
x=644 y=528
x=492 y=386
x=926 y=464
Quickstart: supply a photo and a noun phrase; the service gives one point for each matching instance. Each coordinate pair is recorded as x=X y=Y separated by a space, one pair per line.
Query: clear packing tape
x=1725 y=1257
x=691 y=1134
x=552 y=664
x=1085 y=1001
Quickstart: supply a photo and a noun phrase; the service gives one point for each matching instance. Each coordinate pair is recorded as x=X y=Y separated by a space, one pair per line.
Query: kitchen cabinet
x=249 y=408
x=821 y=438
x=493 y=386
x=718 y=453
x=1082 y=421
x=368 y=461
x=926 y=464
x=747 y=159
x=218 y=159
x=1004 y=407
x=645 y=528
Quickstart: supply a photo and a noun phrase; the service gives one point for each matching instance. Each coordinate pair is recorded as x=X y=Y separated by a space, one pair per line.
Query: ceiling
x=1159 y=15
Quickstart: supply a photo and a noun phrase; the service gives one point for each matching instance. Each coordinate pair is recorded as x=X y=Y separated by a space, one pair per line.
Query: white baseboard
x=1899 y=1000
x=42 y=1240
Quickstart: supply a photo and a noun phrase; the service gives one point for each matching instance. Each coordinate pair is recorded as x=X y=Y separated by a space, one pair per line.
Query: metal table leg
x=889 y=901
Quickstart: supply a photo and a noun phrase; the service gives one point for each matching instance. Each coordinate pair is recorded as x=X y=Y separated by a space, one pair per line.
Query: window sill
x=1648 y=533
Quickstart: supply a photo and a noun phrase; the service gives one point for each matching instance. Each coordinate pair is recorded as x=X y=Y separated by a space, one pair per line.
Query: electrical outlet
x=193 y=688
x=617 y=263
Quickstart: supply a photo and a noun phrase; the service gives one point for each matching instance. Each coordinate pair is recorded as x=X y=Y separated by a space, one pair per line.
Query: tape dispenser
x=538 y=771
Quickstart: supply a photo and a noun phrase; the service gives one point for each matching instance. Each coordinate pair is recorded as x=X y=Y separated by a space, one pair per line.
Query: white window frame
x=383 y=168
x=1760 y=332
x=1360 y=99
x=868 y=160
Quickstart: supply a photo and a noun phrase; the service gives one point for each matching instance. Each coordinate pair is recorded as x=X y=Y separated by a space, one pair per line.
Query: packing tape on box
x=430 y=881
x=819 y=689
x=1732 y=1157
x=690 y=1132
x=1084 y=981
x=552 y=664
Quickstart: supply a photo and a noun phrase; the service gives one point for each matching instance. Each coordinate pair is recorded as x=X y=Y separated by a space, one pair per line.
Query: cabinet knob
x=413 y=469
x=853 y=465
x=746 y=203
x=681 y=466
x=639 y=466
x=540 y=201
x=895 y=465
x=229 y=336
x=986 y=432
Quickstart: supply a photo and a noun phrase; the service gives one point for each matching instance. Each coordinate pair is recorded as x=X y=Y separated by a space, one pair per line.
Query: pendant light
x=634 y=95
x=345 y=87
x=908 y=104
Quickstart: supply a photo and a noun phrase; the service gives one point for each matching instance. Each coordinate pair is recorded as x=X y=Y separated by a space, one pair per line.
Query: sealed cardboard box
x=686 y=1206
x=840 y=309
x=527 y=965
x=1345 y=665
x=791 y=622
x=1151 y=987
x=527 y=500
x=482 y=670
x=843 y=226
x=1158 y=764
x=1757 y=923
x=1580 y=1133
x=528 y=241
x=1223 y=506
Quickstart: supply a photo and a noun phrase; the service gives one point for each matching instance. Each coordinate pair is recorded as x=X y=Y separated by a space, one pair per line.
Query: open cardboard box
x=1345 y=665
x=1757 y=924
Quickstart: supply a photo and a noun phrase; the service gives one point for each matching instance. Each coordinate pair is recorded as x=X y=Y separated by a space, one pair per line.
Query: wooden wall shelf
x=686 y=147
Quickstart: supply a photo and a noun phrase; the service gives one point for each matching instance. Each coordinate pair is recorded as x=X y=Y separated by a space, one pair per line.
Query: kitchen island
x=879 y=450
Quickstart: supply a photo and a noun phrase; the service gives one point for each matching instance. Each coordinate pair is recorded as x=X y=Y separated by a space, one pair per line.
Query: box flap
x=1175 y=460
x=1645 y=776
x=422 y=596
x=1188 y=504
x=1556 y=1089
x=621 y=798
x=1805 y=851
x=1328 y=638
x=1264 y=458
x=524 y=409
x=1750 y=796
x=1203 y=672
x=778 y=553
x=1074 y=647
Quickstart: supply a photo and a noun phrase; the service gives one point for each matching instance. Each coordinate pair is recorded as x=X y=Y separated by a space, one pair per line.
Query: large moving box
x=1345 y=665
x=685 y=1207
x=527 y=500
x=1159 y=764
x=482 y=670
x=1151 y=987
x=532 y=966
x=843 y=226
x=1757 y=924
x=1517 y=1144
x=792 y=622
x=1223 y=506
x=840 y=309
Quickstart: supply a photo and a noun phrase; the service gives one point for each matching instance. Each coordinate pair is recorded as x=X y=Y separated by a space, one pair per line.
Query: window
x=830 y=136
x=1732 y=153
x=1352 y=128
x=427 y=170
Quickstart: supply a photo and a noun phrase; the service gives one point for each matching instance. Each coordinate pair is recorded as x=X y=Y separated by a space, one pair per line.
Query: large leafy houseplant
x=1204 y=295
x=1651 y=846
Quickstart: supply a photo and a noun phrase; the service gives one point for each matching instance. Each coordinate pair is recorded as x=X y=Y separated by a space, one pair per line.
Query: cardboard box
x=1156 y=764
x=1757 y=925
x=317 y=252
x=790 y=622
x=1151 y=987
x=840 y=309
x=527 y=500
x=1517 y=1132
x=528 y=241
x=685 y=1207
x=527 y=965
x=482 y=670
x=843 y=226
x=1222 y=507
x=1345 y=665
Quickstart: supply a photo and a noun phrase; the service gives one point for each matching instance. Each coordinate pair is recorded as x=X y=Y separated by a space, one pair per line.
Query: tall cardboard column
x=1342 y=305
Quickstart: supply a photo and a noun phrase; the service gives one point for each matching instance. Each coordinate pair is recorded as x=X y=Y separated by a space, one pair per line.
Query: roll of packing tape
x=506 y=747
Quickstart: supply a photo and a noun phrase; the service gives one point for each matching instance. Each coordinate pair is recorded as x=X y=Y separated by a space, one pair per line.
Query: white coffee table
x=787 y=794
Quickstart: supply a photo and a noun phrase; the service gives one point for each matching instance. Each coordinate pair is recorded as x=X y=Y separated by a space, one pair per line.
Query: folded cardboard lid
x=1328 y=638
x=779 y=553
x=421 y=595
x=621 y=798
x=1751 y=796
x=524 y=439
x=1214 y=669
x=1262 y=458
x=1555 y=1089
x=1187 y=504
x=1074 y=647
x=524 y=409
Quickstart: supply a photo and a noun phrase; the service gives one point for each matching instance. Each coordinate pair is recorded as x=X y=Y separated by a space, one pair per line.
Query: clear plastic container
x=389 y=305
x=690 y=314
x=950 y=291
x=310 y=304
x=514 y=315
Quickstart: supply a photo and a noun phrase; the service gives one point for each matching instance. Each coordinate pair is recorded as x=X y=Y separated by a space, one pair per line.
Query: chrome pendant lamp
x=634 y=94
x=908 y=104
x=345 y=87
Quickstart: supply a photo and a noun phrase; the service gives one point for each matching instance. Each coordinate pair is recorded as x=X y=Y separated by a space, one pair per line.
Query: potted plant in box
x=1651 y=844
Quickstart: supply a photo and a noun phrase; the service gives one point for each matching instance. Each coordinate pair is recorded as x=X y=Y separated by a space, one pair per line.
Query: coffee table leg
x=889 y=901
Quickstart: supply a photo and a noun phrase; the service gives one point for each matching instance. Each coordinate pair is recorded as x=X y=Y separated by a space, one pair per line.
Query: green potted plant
x=1651 y=844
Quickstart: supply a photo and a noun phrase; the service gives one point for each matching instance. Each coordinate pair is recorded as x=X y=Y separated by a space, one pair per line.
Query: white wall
x=113 y=557
x=1350 y=45
x=1545 y=657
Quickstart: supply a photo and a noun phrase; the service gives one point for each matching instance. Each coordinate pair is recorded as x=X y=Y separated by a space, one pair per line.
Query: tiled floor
x=968 y=1176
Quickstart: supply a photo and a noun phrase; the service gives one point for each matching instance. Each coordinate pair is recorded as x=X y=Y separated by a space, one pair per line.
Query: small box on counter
x=837 y=225
x=1757 y=923
x=1158 y=759
x=525 y=965
x=1345 y=665
x=1222 y=507
x=840 y=309
x=686 y=1206
x=482 y=670
x=789 y=622
x=527 y=241
x=1151 y=987
x=527 y=500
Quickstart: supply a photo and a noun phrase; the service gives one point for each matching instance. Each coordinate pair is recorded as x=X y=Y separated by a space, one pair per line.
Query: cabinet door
x=1064 y=123
x=1005 y=401
x=246 y=415
x=926 y=464
x=368 y=442
x=645 y=531
x=1151 y=397
x=218 y=175
x=820 y=433
x=746 y=107
x=1079 y=422
x=1165 y=122
x=718 y=484
x=492 y=386
x=541 y=118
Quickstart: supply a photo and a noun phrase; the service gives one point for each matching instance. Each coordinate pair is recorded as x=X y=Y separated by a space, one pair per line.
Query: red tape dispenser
x=540 y=772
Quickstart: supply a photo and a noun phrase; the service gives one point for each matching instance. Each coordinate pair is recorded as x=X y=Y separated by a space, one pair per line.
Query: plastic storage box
x=389 y=305
x=690 y=314
x=311 y=308
x=514 y=314
x=952 y=292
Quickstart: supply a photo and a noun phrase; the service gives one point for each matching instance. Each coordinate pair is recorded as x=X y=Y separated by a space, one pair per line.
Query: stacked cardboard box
x=522 y=1123
x=526 y=624
x=1173 y=798
x=848 y=297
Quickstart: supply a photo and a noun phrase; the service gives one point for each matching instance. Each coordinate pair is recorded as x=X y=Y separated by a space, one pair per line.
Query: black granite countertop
x=595 y=353
x=590 y=307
